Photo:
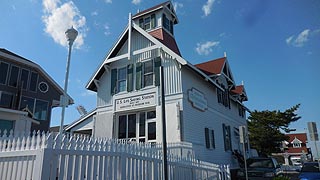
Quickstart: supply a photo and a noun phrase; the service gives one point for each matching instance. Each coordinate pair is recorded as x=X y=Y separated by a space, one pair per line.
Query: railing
x=48 y=156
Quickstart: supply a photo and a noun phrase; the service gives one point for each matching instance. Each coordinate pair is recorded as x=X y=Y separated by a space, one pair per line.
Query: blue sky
x=272 y=46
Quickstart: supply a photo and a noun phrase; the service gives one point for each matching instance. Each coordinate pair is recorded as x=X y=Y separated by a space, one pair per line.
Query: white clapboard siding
x=53 y=156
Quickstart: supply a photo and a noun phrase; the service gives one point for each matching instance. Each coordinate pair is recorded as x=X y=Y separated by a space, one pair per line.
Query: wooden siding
x=194 y=120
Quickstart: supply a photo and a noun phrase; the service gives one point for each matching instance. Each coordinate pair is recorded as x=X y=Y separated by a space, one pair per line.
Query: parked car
x=310 y=171
x=260 y=168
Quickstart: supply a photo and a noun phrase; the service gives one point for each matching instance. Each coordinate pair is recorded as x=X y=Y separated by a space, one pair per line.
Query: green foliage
x=265 y=128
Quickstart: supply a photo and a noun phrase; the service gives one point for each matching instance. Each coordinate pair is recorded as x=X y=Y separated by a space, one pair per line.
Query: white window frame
x=144 y=74
x=122 y=80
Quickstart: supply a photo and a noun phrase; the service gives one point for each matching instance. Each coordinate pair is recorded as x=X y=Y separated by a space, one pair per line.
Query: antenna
x=82 y=111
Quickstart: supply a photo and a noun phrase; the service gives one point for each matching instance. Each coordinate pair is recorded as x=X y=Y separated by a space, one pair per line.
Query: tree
x=266 y=129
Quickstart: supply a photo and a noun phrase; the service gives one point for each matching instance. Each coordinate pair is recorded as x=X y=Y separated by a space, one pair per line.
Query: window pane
x=33 y=81
x=27 y=103
x=151 y=114
x=148 y=80
x=152 y=131
x=147 y=67
x=131 y=126
x=41 y=109
x=147 y=23
x=6 y=100
x=122 y=83
x=122 y=74
x=122 y=86
x=6 y=125
x=14 y=76
x=122 y=127
x=3 y=72
x=24 y=78
x=142 y=124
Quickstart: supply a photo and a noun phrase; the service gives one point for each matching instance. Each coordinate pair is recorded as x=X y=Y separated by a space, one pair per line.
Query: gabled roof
x=81 y=119
x=124 y=37
x=300 y=136
x=157 y=7
x=212 y=67
x=166 y=39
x=14 y=57
x=239 y=90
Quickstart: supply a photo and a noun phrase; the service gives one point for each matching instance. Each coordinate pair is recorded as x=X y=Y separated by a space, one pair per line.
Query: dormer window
x=148 y=22
x=296 y=143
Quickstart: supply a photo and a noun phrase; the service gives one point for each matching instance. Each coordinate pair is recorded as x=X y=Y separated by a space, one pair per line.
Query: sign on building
x=134 y=102
x=312 y=126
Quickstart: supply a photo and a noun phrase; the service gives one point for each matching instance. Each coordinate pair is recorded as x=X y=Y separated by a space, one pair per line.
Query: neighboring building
x=295 y=149
x=203 y=105
x=27 y=94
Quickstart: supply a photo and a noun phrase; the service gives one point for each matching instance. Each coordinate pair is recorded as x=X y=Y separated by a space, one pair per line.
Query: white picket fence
x=47 y=156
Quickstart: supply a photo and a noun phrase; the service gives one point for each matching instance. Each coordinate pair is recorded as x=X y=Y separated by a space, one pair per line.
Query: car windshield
x=260 y=163
x=310 y=167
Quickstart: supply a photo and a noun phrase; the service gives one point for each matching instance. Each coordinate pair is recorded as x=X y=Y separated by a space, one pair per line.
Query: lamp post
x=71 y=35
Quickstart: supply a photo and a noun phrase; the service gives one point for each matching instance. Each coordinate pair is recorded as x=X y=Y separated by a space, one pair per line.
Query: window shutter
x=212 y=140
x=138 y=75
x=206 y=135
x=153 y=21
x=157 y=64
x=114 y=73
x=130 y=78
x=224 y=136
x=230 y=142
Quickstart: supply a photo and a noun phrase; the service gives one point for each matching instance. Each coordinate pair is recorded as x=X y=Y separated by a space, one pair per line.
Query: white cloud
x=87 y=93
x=177 y=5
x=107 y=30
x=58 y=17
x=136 y=2
x=301 y=39
x=108 y=1
x=94 y=13
x=206 y=48
x=207 y=7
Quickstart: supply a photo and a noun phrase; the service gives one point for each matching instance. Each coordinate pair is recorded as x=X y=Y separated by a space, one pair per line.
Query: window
x=6 y=125
x=296 y=145
x=24 y=78
x=122 y=79
x=41 y=109
x=6 y=100
x=209 y=138
x=27 y=103
x=167 y=24
x=148 y=73
x=241 y=111
x=33 y=81
x=148 y=22
x=139 y=127
x=223 y=96
x=14 y=74
x=127 y=126
x=4 y=67
x=227 y=137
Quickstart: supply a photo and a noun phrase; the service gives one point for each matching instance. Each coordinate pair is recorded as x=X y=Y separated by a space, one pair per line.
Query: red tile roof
x=238 y=89
x=165 y=38
x=212 y=67
x=301 y=136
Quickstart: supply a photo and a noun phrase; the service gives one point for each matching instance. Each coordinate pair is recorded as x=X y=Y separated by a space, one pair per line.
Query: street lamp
x=71 y=35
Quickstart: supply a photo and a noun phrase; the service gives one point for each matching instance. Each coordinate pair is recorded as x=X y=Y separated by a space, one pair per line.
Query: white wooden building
x=203 y=104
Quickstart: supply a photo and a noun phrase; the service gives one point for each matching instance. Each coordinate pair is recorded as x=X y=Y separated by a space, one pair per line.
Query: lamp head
x=71 y=35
